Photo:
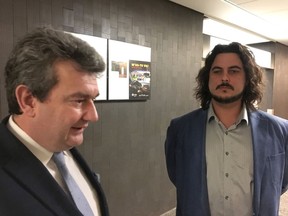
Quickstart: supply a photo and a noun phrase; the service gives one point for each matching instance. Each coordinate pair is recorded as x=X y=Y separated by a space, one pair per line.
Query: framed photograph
x=129 y=72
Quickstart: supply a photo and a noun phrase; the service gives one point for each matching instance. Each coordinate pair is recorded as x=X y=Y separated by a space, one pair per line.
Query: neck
x=227 y=113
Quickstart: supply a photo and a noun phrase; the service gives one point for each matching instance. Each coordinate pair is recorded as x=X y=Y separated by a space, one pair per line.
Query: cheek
x=58 y=120
x=241 y=83
x=70 y=116
x=212 y=84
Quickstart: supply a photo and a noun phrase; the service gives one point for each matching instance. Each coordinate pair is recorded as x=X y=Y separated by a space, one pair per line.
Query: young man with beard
x=228 y=158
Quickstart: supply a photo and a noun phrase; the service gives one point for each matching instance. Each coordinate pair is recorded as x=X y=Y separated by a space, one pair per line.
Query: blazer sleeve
x=170 y=148
x=180 y=133
x=283 y=134
x=285 y=177
x=280 y=128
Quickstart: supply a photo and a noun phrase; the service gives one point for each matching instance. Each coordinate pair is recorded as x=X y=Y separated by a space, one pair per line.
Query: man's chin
x=75 y=141
x=227 y=100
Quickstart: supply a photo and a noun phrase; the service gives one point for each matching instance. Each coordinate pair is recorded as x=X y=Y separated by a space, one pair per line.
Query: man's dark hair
x=253 y=89
x=32 y=59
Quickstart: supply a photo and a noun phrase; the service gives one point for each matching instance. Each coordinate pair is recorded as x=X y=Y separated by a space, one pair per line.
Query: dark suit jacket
x=26 y=186
x=186 y=162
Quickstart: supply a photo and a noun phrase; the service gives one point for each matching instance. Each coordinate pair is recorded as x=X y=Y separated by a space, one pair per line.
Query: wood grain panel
x=280 y=87
x=6 y=44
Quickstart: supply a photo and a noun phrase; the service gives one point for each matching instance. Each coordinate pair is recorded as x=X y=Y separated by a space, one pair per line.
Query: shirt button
x=226 y=174
x=226 y=197
x=227 y=153
x=226 y=132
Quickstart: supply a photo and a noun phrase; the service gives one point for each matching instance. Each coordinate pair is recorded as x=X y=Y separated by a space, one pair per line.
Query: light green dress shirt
x=229 y=158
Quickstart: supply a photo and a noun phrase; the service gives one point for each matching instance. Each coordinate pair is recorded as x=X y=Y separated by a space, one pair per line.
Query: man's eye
x=79 y=101
x=234 y=71
x=216 y=71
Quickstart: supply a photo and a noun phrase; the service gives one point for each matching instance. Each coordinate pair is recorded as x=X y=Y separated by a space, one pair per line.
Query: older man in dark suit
x=51 y=82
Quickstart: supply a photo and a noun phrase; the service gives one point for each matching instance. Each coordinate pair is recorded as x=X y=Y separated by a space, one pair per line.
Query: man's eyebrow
x=82 y=95
x=231 y=67
x=79 y=94
x=216 y=68
x=235 y=67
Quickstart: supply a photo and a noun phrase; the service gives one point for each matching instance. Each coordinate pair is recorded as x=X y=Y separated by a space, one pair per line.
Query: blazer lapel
x=202 y=137
x=30 y=174
x=259 y=138
x=93 y=180
x=36 y=180
x=195 y=162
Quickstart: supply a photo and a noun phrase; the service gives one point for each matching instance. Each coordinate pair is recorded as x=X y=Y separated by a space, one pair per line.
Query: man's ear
x=25 y=100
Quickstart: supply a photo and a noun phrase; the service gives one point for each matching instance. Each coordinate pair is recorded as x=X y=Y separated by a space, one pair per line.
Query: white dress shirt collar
x=40 y=152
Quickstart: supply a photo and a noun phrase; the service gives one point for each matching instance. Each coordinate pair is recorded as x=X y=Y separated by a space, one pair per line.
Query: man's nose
x=225 y=76
x=91 y=113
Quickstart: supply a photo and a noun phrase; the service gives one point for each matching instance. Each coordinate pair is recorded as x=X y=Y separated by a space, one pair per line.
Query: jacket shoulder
x=272 y=119
x=188 y=117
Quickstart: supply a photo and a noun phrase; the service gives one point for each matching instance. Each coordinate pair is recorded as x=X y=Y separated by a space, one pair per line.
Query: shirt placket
x=227 y=172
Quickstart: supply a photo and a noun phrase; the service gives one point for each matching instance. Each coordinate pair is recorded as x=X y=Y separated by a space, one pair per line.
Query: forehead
x=72 y=79
x=227 y=59
x=69 y=70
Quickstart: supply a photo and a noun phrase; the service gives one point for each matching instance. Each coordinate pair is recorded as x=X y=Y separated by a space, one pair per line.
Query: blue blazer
x=27 y=187
x=186 y=162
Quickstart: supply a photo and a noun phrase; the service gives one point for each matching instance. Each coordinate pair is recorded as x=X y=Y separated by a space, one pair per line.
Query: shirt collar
x=243 y=116
x=40 y=152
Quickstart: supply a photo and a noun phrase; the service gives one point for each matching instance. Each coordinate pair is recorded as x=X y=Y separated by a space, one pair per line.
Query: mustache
x=225 y=85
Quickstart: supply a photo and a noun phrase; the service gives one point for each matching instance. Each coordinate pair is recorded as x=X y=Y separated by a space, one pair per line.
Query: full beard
x=227 y=100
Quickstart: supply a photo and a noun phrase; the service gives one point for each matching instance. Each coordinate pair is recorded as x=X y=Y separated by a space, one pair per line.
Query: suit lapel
x=31 y=174
x=93 y=180
x=202 y=138
x=259 y=135
x=27 y=171
x=197 y=162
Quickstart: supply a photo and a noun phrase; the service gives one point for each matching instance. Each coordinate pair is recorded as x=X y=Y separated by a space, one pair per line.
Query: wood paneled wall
x=126 y=146
x=276 y=79
x=280 y=89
